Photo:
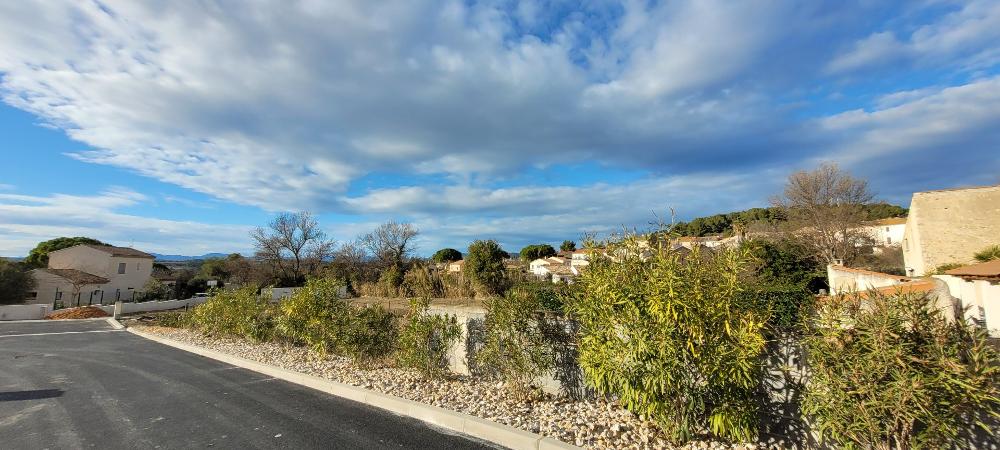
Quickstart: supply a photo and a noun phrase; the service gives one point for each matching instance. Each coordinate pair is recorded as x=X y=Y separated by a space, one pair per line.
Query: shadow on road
x=37 y=394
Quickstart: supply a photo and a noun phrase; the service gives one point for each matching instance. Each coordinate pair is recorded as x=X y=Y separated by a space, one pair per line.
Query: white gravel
x=596 y=424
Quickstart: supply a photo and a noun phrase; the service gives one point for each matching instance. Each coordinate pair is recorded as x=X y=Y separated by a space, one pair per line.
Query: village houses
x=91 y=274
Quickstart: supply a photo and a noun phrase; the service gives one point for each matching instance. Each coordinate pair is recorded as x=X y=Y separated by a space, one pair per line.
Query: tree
x=15 y=282
x=484 y=268
x=391 y=243
x=38 y=257
x=533 y=252
x=293 y=244
x=155 y=290
x=826 y=210
x=568 y=246
x=446 y=255
x=891 y=372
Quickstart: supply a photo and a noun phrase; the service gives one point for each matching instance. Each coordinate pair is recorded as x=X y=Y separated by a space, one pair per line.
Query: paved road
x=82 y=384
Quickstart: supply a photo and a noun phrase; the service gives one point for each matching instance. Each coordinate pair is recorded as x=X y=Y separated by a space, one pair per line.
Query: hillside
x=723 y=223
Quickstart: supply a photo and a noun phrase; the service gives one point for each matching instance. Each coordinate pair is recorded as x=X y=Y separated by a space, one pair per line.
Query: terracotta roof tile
x=77 y=276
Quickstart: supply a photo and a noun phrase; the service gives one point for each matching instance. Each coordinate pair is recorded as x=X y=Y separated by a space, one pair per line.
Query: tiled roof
x=121 y=251
x=986 y=270
x=77 y=276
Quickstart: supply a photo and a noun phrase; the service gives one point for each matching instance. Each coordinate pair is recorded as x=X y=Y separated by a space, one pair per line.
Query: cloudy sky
x=176 y=126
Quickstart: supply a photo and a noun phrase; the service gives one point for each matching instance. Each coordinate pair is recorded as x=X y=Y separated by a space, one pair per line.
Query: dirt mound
x=85 y=312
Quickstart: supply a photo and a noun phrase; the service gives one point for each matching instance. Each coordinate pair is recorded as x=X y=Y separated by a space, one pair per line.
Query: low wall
x=845 y=279
x=24 y=312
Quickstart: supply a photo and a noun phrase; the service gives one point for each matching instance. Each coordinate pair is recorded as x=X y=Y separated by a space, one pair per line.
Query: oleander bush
x=670 y=335
x=425 y=338
x=316 y=316
x=514 y=348
x=236 y=313
x=891 y=372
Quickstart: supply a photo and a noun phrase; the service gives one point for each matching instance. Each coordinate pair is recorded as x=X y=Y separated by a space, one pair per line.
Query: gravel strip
x=595 y=424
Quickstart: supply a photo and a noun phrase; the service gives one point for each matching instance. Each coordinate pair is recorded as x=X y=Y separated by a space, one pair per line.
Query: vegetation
x=447 y=255
x=941 y=269
x=988 y=254
x=568 y=246
x=484 y=268
x=371 y=335
x=890 y=372
x=533 y=252
x=38 y=257
x=155 y=290
x=672 y=338
x=316 y=315
x=425 y=338
x=294 y=245
x=767 y=218
x=236 y=313
x=514 y=347
x=16 y=282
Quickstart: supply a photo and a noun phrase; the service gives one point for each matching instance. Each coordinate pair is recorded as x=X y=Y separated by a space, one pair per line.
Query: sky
x=175 y=127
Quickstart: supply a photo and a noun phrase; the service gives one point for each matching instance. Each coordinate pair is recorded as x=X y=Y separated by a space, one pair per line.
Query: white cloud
x=26 y=220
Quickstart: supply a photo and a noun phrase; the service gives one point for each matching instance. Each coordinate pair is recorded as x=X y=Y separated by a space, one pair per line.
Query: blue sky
x=176 y=127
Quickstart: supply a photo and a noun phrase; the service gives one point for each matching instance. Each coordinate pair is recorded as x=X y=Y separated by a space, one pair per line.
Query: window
x=137 y=266
x=59 y=295
x=121 y=267
x=32 y=295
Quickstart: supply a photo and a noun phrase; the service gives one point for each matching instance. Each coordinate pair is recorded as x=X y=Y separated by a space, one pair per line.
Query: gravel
x=596 y=424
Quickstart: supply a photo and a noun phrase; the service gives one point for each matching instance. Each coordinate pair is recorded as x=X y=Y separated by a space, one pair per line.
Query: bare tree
x=391 y=243
x=825 y=210
x=293 y=244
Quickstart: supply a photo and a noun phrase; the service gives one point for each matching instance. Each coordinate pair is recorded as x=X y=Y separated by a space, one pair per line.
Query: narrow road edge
x=486 y=430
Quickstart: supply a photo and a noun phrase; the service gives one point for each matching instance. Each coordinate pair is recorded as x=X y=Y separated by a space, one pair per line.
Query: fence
x=39 y=311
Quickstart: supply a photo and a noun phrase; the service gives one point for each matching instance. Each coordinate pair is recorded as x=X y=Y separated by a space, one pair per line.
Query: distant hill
x=160 y=257
x=723 y=223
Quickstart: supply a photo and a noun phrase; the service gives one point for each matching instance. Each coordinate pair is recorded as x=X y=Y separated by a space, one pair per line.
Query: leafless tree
x=825 y=210
x=293 y=244
x=391 y=243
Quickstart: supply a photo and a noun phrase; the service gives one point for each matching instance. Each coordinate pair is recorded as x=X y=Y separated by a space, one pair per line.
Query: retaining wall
x=24 y=312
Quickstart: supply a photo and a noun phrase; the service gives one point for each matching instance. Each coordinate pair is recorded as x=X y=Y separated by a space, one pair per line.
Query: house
x=86 y=274
x=557 y=272
x=456 y=267
x=537 y=267
x=977 y=286
x=581 y=258
x=950 y=226
x=887 y=232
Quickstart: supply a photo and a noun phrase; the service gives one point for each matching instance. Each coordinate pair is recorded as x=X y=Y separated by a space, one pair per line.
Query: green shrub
x=484 y=268
x=421 y=282
x=237 y=313
x=533 y=252
x=181 y=319
x=514 y=348
x=670 y=335
x=940 y=270
x=316 y=316
x=890 y=371
x=370 y=336
x=988 y=254
x=425 y=338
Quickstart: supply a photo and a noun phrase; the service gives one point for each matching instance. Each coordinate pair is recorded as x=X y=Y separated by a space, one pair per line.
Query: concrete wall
x=24 y=312
x=950 y=227
x=47 y=284
x=844 y=279
x=980 y=301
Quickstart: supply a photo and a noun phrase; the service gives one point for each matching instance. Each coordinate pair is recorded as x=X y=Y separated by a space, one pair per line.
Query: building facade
x=86 y=274
x=949 y=227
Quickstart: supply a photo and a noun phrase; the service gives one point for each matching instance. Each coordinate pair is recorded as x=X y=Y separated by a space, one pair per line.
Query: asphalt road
x=82 y=384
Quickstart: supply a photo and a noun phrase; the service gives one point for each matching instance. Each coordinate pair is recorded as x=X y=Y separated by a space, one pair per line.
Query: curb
x=115 y=323
x=468 y=425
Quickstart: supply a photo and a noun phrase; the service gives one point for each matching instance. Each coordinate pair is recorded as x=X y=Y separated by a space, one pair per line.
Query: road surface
x=83 y=384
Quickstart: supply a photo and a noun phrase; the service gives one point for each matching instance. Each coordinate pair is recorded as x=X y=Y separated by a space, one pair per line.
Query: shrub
x=174 y=319
x=315 y=315
x=454 y=285
x=568 y=246
x=236 y=312
x=514 y=348
x=421 y=282
x=671 y=337
x=425 y=338
x=988 y=254
x=371 y=335
x=547 y=296
x=940 y=270
x=484 y=268
x=15 y=283
x=155 y=290
x=889 y=371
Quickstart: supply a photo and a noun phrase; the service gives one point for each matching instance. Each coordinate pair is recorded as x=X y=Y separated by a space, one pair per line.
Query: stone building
x=950 y=226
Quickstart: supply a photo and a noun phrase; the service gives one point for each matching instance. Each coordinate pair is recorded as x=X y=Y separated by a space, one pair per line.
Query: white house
x=977 y=287
x=887 y=232
x=85 y=274
x=538 y=266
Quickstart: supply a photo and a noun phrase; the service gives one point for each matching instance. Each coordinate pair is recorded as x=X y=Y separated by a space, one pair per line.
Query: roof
x=77 y=276
x=890 y=221
x=870 y=272
x=989 y=270
x=967 y=188
x=910 y=287
x=559 y=270
x=126 y=252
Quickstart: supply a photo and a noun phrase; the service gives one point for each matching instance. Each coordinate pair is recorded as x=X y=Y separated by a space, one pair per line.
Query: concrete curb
x=476 y=427
x=115 y=323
